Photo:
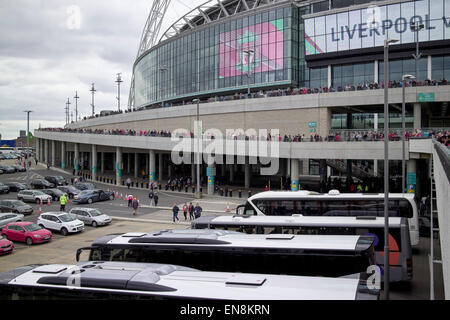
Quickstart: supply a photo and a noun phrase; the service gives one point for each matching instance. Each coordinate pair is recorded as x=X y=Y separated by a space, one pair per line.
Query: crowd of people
x=296 y=91
x=335 y=135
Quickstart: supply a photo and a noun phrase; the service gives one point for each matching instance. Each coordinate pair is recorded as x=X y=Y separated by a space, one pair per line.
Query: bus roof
x=230 y=239
x=176 y=281
x=297 y=220
x=303 y=194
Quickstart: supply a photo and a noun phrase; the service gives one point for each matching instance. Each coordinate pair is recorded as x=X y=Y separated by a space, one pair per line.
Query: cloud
x=51 y=48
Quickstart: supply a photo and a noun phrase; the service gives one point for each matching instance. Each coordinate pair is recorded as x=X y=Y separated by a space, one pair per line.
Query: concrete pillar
x=128 y=163
x=294 y=174
x=160 y=167
x=136 y=165
x=330 y=79
x=76 y=157
x=417 y=116
x=63 y=155
x=305 y=167
x=147 y=163
x=193 y=169
x=231 y=172
x=247 y=173
x=430 y=69
x=349 y=121
x=152 y=166
x=38 y=149
x=375 y=72
x=102 y=162
x=94 y=161
x=210 y=173
x=411 y=169
x=46 y=151
x=119 y=166
x=53 y=162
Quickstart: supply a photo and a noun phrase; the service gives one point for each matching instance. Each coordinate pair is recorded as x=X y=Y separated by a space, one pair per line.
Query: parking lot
x=62 y=249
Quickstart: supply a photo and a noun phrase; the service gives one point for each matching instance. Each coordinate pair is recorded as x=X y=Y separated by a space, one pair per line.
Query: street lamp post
x=416 y=27
x=248 y=52
x=76 y=105
x=27 y=167
x=118 y=81
x=386 y=166
x=92 y=104
x=404 y=78
x=198 y=146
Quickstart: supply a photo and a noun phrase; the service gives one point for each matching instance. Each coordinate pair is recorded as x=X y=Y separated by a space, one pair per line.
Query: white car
x=33 y=196
x=91 y=216
x=61 y=221
x=9 y=217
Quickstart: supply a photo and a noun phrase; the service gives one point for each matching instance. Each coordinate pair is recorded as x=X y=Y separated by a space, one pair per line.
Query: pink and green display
x=253 y=49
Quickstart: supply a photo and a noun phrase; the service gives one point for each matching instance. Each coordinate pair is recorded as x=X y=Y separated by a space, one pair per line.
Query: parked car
x=33 y=196
x=91 y=216
x=19 y=168
x=6 y=246
x=28 y=232
x=55 y=193
x=6 y=218
x=1 y=171
x=90 y=196
x=41 y=184
x=70 y=190
x=15 y=206
x=84 y=186
x=15 y=186
x=7 y=169
x=4 y=188
x=61 y=221
x=56 y=180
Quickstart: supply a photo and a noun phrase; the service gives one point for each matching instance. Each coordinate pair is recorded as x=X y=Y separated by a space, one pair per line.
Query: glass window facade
x=256 y=50
x=353 y=74
x=440 y=68
x=398 y=68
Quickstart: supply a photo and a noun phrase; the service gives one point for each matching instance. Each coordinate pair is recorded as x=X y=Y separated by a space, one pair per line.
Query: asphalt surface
x=151 y=218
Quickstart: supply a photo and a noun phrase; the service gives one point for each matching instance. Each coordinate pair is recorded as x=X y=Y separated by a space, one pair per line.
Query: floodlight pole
x=27 y=167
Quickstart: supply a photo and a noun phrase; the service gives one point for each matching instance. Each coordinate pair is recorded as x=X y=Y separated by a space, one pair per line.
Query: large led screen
x=253 y=49
x=369 y=27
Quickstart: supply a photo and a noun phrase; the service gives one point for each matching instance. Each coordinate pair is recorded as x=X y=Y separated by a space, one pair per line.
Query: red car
x=6 y=246
x=26 y=232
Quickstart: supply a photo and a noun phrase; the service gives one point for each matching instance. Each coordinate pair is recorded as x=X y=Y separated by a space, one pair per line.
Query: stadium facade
x=312 y=67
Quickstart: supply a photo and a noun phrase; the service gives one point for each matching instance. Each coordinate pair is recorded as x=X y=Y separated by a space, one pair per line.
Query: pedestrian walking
x=155 y=198
x=135 y=206
x=130 y=200
x=197 y=211
x=62 y=202
x=175 y=210
x=185 y=210
x=36 y=160
x=191 y=211
x=128 y=183
x=151 y=196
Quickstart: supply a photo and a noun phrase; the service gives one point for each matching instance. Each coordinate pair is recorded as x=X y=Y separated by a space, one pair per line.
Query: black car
x=57 y=180
x=84 y=186
x=4 y=188
x=55 y=193
x=41 y=184
x=15 y=186
x=15 y=206
x=90 y=196
x=19 y=168
x=7 y=169
x=70 y=190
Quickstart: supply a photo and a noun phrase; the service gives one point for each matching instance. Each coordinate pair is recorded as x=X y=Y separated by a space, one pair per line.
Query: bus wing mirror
x=240 y=209
x=80 y=250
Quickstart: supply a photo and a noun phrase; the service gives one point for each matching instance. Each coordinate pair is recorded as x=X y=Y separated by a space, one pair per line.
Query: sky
x=51 y=48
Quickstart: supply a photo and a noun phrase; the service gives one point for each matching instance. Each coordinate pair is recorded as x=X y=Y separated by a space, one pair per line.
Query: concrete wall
x=296 y=150
x=443 y=207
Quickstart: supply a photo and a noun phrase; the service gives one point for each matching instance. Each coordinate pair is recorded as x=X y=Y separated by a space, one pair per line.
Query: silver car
x=6 y=218
x=33 y=196
x=91 y=216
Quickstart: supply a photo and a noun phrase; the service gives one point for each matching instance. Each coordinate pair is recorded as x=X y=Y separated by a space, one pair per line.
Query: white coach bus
x=309 y=203
x=101 y=280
